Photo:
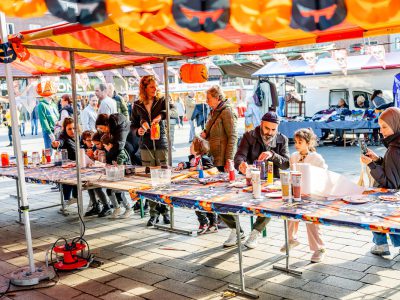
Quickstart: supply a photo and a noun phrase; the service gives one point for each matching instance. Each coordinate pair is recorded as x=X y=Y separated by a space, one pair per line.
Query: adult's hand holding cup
x=243 y=167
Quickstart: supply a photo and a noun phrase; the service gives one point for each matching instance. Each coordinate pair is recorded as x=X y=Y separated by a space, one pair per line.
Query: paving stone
x=159 y=294
x=336 y=271
x=343 y=283
x=288 y=292
x=98 y=274
x=380 y=280
x=182 y=264
x=326 y=290
x=376 y=261
x=185 y=289
x=206 y=282
x=29 y=295
x=386 y=272
x=85 y=297
x=6 y=268
x=168 y=272
x=140 y=275
x=61 y=291
x=288 y=280
x=212 y=272
x=94 y=288
x=131 y=286
x=120 y=295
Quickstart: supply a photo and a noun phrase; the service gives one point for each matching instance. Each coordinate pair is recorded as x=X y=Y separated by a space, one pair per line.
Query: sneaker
x=292 y=244
x=152 y=221
x=252 y=241
x=202 y=229
x=127 y=213
x=95 y=210
x=318 y=256
x=381 y=250
x=232 y=239
x=71 y=201
x=117 y=211
x=212 y=229
x=166 y=219
x=106 y=211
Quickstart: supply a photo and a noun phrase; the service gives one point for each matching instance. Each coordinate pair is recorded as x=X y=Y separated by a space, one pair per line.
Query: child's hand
x=141 y=131
x=193 y=169
x=180 y=167
x=156 y=120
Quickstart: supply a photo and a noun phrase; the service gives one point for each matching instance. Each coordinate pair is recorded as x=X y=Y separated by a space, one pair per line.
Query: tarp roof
x=173 y=41
x=327 y=66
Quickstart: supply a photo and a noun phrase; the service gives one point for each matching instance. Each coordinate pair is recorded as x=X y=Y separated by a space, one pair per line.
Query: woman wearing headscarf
x=221 y=128
x=386 y=170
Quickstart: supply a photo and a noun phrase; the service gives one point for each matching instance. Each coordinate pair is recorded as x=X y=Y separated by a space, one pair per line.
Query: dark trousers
x=10 y=134
x=259 y=225
x=206 y=218
x=180 y=120
x=100 y=195
x=67 y=190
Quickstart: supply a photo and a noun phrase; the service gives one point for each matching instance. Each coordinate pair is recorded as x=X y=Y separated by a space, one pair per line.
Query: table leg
x=287 y=267
x=242 y=288
x=171 y=226
x=63 y=210
x=141 y=207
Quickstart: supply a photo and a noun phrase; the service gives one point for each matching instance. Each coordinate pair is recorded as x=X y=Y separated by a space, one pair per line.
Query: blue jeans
x=381 y=239
x=47 y=141
x=192 y=130
x=34 y=126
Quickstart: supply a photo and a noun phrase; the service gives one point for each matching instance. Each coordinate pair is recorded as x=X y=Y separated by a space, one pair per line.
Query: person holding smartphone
x=386 y=170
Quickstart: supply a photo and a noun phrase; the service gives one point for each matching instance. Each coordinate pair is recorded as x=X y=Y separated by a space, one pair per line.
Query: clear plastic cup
x=160 y=177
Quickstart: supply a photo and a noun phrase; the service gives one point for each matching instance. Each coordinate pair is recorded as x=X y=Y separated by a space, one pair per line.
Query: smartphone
x=363 y=146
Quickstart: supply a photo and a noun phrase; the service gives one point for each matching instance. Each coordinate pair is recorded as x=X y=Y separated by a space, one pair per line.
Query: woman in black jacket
x=386 y=170
x=149 y=110
x=66 y=141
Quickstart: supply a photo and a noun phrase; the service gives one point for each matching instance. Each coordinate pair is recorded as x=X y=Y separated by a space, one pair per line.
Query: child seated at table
x=305 y=142
x=199 y=159
x=121 y=158
x=94 y=205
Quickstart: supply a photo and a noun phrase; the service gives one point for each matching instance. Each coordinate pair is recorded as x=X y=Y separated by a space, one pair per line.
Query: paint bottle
x=270 y=174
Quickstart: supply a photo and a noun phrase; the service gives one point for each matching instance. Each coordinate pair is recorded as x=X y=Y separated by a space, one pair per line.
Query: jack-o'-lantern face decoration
x=257 y=17
x=7 y=53
x=82 y=11
x=46 y=89
x=140 y=15
x=205 y=15
x=310 y=15
x=370 y=12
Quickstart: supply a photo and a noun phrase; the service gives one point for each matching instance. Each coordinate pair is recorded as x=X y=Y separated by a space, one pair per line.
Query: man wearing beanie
x=263 y=143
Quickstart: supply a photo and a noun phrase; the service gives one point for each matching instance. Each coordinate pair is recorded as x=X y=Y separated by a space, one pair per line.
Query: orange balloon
x=140 y=15
x=47 y=89
x=23 y=8
x=256 y=17
x=193 y=73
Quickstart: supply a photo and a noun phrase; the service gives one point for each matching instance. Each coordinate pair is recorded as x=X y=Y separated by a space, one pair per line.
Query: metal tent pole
x=77 y=141
x=28 y=275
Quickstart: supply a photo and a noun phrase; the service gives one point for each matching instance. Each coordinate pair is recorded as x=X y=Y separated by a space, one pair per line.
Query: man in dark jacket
x=266 y=144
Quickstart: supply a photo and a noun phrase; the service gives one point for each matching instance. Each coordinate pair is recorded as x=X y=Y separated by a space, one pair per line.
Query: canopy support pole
x=27 y=275
x=77 y=141
x=166 y=87
x=121 y=39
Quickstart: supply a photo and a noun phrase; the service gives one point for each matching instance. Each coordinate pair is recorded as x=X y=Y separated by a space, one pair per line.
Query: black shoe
x=166 y=219
x=152 y=221
x=55 y=188
x=9 y=145
x=94 y=211
x=106 y=211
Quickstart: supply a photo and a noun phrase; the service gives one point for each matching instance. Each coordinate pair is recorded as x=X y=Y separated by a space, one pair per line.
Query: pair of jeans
x=117 y=198
x=22 y=129
x=192 y=131
x=100 y=195
x=206 y=218
x=10 y=134
x=34 y=126
x=381 y=239
x=180 y=120
x=47 y=142
x=259 y=225
x=67 y=190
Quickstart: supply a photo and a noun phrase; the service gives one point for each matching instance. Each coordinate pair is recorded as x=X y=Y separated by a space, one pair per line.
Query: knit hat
x=391 y=116
x=271 y=117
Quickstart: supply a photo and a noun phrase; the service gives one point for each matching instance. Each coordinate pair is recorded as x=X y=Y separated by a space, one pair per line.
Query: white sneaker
x=318 y=256
x=127 y=213
x=381 y=250
x=116 y=213
x=252 y=241
x=292 y=244
x=232 y=239
x=70 y=201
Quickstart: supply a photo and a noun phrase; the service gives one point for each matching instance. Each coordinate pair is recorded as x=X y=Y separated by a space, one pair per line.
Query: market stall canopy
x=222 y=27
x=327 y=66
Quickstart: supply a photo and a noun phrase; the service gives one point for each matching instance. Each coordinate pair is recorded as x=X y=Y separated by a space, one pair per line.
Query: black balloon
x=310 y=15
x=78 y=11
x=202 y=15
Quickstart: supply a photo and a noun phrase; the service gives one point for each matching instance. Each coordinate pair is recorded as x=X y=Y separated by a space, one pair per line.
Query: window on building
x=10 y=28
x=34 y=26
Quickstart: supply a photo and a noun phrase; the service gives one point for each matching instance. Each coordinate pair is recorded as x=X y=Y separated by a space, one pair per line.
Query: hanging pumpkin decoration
x=7 y=53
x=205 y=15
x=85 y=12
x=20 y=50
x=258 y=17
x=193 y=73
x=23 y=8
x=140 y=15
x=310 y=15
x=371 y=12
x=46 y=89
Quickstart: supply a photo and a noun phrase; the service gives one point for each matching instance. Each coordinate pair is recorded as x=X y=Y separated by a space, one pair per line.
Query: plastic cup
x=285 y=184
x=296 y=185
